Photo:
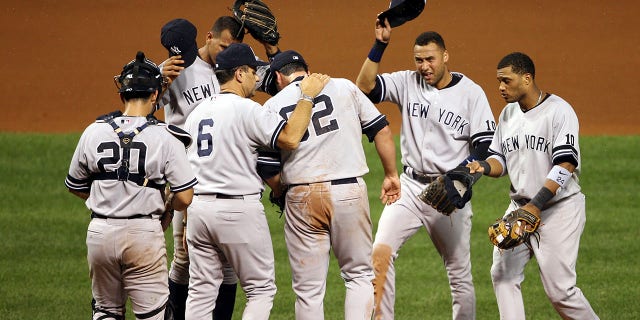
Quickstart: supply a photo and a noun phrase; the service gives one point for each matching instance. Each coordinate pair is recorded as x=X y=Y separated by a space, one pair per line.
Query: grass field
x=44 y=273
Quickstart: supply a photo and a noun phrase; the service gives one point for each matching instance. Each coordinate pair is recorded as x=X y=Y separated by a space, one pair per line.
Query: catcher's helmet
x=139 y=75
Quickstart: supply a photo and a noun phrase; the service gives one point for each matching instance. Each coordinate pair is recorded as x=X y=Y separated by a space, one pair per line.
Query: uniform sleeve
x=494 y=149
x=178 y=171
x=483 y=124
x=393 y=86
x=79 y=177
x=565 y=144
x=269 y=163
x=264 y=126
x=371 y=119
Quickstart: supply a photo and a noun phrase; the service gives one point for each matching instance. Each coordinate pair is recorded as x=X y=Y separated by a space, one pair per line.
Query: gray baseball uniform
x=195 y=84
x=125 y=213
x=529 y=144
x=327 y=205
x=226 y=218
x=438 y=129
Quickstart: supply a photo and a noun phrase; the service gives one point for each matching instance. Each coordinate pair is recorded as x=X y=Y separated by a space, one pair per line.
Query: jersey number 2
x=319 y=129
x=115 y=155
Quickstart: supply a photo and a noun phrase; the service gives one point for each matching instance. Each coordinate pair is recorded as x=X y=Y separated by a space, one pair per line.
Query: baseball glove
x=450 y=191
x=278 y=201
x=256 y=16
x=514 y=229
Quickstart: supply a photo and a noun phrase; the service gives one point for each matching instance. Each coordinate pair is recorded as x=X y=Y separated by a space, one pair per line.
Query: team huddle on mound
x=204 y=170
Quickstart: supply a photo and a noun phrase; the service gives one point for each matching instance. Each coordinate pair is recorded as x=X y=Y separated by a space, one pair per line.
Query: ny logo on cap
x=175 y=50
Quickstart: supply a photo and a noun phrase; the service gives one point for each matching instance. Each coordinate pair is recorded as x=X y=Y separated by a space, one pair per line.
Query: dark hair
x=430 y=36
x=126 y=96
x=228 y=23
x=519 y=62
x=225 y=76
x=292 y=67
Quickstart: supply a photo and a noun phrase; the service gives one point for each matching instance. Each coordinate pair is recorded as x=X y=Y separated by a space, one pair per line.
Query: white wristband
x=559 y=175
x=306 y=97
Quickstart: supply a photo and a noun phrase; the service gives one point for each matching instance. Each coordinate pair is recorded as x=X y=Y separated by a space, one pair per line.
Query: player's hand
x=390 y=191
x=312 y=84
x=474 y=167
x=533 y=210
x=172 y=67
x=383 y=30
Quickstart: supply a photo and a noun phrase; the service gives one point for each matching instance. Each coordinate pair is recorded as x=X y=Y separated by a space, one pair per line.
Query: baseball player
x=536 y=143
x=446 y=121
x=327 y=205
x=226 y=221
x=120 y=167
x=193 y=81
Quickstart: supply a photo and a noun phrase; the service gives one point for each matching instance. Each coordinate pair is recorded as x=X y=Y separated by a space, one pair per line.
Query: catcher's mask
x=401 y=11
x=139 y=75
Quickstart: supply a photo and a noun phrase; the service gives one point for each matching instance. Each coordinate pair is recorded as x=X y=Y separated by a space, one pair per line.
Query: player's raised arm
x=310 y=87
x=366 y=80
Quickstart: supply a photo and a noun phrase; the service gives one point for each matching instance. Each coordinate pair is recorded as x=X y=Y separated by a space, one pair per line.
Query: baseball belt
x=420 y=177
x=333 y=182
x=135 y=216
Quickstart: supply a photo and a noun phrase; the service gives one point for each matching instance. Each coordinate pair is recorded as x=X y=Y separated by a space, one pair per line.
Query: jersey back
x=154 y=154
x=227 y=131
x=332 y=146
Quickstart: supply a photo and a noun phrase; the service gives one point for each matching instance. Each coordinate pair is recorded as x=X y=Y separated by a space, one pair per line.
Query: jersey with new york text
x=438 y=126
x=195 y=84
x=531 y=143
x=332 y=146
x=228 y=130
x=154 y=153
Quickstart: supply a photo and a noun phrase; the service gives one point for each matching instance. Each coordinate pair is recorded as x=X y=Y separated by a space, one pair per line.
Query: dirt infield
x=59 y=58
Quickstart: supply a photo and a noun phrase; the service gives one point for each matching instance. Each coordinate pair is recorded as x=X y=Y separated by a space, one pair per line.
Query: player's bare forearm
x=366 y=80
x=182 y=199
x=386 y=148
x=275 y=184
x=494 y=165
x=81 y=195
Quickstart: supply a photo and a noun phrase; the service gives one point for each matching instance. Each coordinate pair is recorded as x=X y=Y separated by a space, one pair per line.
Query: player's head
x=139 y=79
x=225 y=31
x=178 y=36
x=431 y=56
x=286 y=66
x=236 y=68
x=516 y=75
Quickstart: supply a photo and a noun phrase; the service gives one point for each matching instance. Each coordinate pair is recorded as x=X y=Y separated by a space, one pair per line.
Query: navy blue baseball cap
x=283 y=58
x=236 y=55
x=401 y=11
x=178 y=36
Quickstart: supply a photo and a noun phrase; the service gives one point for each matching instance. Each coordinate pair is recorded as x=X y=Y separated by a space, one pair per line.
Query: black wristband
x=486 y=166
x=542 y=197
x=377 y=50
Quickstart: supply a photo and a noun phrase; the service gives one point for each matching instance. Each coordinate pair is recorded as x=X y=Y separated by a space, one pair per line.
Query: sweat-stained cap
x=236 y=55
x=401 y=11
x=178 y=36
